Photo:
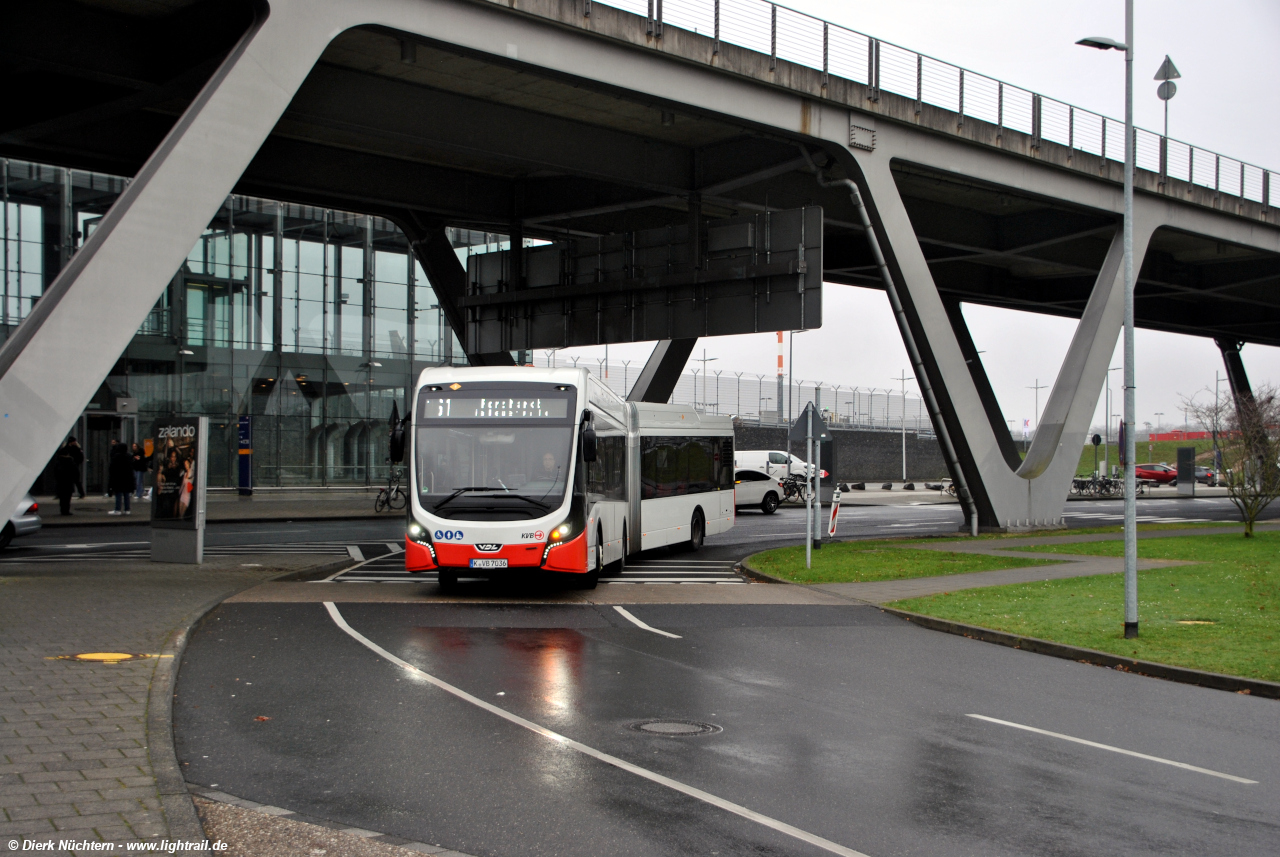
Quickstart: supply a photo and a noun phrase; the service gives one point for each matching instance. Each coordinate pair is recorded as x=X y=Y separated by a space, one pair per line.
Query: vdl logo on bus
x=449 y=535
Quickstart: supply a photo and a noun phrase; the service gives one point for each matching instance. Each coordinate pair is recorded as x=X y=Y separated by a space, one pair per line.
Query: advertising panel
x=178 y=462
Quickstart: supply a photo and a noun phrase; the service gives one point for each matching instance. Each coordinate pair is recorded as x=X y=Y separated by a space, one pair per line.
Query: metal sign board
x=747 y=274
x=800 y=428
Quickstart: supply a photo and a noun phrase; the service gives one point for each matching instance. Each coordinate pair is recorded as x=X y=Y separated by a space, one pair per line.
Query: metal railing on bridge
x=784 y=33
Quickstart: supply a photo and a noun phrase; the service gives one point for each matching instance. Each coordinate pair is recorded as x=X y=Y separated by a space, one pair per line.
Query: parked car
x=1162 y=474
x=1205 y=476
x=756 y=488
x=23 y=522
x=775 y=463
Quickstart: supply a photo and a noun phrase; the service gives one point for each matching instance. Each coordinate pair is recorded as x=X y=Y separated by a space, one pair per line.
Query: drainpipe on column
x=913 y=352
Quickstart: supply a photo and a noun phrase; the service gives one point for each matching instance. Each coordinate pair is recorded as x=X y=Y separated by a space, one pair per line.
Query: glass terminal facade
x=310 y=321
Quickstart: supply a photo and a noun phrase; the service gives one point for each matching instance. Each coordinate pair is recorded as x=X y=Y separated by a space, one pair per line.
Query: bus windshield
x=493 y=452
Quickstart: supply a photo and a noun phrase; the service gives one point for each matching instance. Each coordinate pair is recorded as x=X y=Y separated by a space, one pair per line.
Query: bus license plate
x=488 y=563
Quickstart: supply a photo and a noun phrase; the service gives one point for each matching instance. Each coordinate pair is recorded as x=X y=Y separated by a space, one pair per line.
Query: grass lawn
x=1222 y=615
x=857 y=562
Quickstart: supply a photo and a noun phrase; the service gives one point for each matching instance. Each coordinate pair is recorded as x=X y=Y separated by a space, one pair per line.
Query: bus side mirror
x=397 y=444
x=395 y=436
x=588 y=439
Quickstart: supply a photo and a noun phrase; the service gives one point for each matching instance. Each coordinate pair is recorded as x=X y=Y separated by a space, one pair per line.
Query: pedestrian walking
x=120 y=479
x=141 y=467
x=66 y=472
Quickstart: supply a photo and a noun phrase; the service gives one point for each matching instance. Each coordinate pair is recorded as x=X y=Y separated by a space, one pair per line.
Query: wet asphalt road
x=839 y=720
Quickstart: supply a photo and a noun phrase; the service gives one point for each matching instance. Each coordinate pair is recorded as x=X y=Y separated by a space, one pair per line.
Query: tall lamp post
x=1130 y=483
x=1106 y=450
x=904 y=379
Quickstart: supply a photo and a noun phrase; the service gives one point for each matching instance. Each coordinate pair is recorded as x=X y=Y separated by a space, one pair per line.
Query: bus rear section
x=684 y=467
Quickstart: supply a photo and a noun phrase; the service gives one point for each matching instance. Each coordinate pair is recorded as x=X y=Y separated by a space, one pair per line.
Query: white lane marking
x=1116 y=749
x=82 y=547
x=356 y=553
x=395 y=548
x=633 y=620
x=691 y=791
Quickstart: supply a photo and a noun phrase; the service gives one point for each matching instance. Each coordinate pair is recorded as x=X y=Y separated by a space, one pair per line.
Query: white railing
x=784 y=33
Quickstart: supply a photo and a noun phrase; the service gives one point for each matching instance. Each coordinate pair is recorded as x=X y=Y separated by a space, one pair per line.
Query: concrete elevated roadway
x=536 y=120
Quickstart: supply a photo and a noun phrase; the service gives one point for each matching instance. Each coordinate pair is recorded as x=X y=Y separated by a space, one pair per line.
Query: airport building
x=309 y=321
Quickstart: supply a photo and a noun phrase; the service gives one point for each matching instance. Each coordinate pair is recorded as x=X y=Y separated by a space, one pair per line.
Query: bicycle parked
x=392 y=496
x=794 y=488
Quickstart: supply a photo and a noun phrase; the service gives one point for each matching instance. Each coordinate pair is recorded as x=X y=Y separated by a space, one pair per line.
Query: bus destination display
x=494 y=407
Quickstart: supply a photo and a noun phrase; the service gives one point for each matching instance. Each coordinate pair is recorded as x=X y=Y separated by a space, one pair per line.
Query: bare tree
x=1246 y=431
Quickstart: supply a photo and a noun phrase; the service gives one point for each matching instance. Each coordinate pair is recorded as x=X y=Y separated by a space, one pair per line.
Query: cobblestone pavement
x=77 y=757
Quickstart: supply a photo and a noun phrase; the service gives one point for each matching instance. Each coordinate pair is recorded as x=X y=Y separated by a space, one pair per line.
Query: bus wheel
x=769 y=504
x=448 y=581
x=620 y=564
x=697 y=531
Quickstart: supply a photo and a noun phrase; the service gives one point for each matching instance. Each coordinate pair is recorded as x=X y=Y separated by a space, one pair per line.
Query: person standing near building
x=120 y=479
x=141 y=465
x=66 y=472
x=79 y=481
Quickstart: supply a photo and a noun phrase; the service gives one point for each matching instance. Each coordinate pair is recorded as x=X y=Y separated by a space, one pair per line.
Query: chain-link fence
x=754 y=398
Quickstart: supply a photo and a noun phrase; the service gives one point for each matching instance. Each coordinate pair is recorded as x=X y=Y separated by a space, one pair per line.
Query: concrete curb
x=175 y=800
x=280 y=812
x=760 y=576
x=1183 y=675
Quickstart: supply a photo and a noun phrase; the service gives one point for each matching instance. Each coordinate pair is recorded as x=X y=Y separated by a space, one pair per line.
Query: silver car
x=23 y=522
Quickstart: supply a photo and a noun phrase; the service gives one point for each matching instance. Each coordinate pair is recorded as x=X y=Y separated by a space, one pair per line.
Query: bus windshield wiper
x=458 y=492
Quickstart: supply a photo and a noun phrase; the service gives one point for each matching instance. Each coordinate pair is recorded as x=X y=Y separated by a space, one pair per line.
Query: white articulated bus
x=517 y=469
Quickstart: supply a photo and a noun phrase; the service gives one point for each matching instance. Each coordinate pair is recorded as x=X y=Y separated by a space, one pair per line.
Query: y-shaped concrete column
x=57 y=358
x=1031 y=494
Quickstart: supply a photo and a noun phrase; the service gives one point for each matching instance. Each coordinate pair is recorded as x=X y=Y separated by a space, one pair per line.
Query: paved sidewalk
x=884 y=591
x=78 y=758
x=229 y=506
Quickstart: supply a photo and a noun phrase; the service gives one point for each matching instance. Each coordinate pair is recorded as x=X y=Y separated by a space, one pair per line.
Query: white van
x=776 y=463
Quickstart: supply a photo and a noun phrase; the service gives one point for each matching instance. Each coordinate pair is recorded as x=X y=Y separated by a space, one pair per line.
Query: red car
x=1161 y=473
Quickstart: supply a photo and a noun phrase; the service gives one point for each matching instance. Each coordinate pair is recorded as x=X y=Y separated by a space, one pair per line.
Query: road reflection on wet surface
x=841 y=721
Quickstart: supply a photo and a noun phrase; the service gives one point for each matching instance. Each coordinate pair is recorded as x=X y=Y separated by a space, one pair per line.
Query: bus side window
x=648 y=468
x=701 y=455
x=606 y=476
x=726 y=463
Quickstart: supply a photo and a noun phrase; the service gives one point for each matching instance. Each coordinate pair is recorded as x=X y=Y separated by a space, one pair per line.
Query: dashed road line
x=633 y=620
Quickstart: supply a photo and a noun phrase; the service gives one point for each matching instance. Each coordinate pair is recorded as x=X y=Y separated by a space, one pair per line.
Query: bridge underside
x=430 y=134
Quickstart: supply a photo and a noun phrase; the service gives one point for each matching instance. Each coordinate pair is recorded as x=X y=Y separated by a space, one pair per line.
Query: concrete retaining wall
x=860 y=456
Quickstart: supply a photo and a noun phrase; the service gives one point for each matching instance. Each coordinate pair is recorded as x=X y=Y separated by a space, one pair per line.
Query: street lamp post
x=1038 y=387
x=704 y=360
x=1106 y=451
x=1130 y=482
x=904 y=379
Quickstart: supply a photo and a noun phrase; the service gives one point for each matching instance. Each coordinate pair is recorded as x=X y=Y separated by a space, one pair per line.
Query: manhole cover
x=675 y=728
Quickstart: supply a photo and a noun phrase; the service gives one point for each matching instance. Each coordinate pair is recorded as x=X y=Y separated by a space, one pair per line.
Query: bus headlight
x=418 y=533
x=562 y=532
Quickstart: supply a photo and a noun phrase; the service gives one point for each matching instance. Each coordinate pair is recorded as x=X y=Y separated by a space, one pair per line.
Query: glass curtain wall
x=309 y=321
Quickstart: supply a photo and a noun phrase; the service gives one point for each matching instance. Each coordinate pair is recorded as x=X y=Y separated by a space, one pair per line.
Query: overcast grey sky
x=1226 y=102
